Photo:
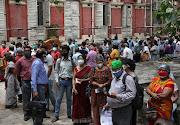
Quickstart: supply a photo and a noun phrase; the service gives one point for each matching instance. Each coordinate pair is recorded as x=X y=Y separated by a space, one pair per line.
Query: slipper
x=55 y=119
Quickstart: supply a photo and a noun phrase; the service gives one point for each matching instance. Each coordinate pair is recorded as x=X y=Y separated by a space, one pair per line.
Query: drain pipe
x=145 y=19
x=93 y=20
x=151 y=20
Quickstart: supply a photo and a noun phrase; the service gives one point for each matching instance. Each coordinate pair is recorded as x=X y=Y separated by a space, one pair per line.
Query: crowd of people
x=97 y=75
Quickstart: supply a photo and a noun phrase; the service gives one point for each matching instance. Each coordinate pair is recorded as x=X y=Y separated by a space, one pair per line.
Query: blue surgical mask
x=117 y=74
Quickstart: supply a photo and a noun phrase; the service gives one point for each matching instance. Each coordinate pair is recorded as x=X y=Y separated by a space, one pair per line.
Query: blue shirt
x=76 y=45
x=130 y=44
x=38 y=74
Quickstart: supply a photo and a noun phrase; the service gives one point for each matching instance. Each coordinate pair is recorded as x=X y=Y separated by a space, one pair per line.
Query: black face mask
x=27 y=54
x=65 y=54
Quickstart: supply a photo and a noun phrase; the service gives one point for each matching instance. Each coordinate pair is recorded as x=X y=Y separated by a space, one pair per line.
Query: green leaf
x=178 y=10
x=154 y=15
x=169 y=10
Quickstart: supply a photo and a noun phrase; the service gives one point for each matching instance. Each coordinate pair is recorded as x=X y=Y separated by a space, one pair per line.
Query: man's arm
x=56 y=71
x=34 y=73
x=130 y=91
x=18 y=68
x=50 y=65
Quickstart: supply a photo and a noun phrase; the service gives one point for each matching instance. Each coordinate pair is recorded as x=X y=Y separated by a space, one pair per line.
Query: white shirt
x=48 y=61
x=178 y=46
x=127 y=53
x=72 y=47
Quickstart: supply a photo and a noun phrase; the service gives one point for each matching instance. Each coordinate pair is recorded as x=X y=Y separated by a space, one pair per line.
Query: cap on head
x=117 y=64
x=165 y=66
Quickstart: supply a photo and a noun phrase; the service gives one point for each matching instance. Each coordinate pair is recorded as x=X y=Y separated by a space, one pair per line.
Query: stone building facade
x=78 y=19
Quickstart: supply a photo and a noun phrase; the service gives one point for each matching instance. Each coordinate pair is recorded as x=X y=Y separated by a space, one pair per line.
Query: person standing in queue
x=23 y=69
x=39 y=80
x=63 y=76
x=121 y=95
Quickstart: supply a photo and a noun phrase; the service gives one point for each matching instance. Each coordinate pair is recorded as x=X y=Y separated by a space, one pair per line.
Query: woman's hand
x=155 y=96
x=165 y=93
x=100 y=86
x=75 y=91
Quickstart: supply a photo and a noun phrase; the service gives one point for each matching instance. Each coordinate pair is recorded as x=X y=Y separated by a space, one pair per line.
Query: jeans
x=26 y=94
x=65 y=85
x=51 y=95
x=41 y=96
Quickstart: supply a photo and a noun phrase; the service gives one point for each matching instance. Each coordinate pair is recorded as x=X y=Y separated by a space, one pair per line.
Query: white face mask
x=100 y=65
x=54 y=48
x=80 y=61
x=124 y=67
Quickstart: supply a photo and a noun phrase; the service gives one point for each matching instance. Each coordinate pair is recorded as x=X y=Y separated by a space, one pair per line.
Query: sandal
x=55 y=119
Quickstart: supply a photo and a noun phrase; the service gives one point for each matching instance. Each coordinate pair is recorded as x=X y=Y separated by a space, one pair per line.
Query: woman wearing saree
x=12 y=86
x=81 y=113
x=3 y=50
x=161 y=90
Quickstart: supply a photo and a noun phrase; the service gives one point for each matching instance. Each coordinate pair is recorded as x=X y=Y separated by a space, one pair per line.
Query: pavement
x=16 y=117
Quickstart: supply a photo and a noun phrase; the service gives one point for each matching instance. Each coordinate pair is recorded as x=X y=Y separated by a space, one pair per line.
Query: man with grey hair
x=127 y=53
x=91 y=57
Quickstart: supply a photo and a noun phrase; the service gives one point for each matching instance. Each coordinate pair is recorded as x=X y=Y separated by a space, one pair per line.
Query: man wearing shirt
x=127 y=53
x=121 y=95
x=137 y=51
x=23 y=69
x=49 y=66
x=39 y=80
x=63 y=76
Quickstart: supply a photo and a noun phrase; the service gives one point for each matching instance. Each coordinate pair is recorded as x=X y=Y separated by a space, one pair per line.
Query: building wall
x=18 y=18
x=73 y=16
x=115 y=20
x=57 y=17
x=3 y=33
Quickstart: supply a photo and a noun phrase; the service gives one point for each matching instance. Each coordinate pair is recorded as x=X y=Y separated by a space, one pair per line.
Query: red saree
x=164 y=107
x=81 y=112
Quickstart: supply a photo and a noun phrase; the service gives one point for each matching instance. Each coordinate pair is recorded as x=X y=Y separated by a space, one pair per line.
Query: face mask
x=45 y=60
x=27 y=54
x=124 y=67
x=100 y=65
x=117 y=74
x=34 y=47
x=65 y=54
x=3 y=45
x=54 y=48
x=80 y=61
x=162 y=74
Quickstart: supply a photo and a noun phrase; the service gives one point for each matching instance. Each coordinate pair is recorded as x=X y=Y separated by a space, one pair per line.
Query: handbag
x=152 y=114
x=36 y=109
